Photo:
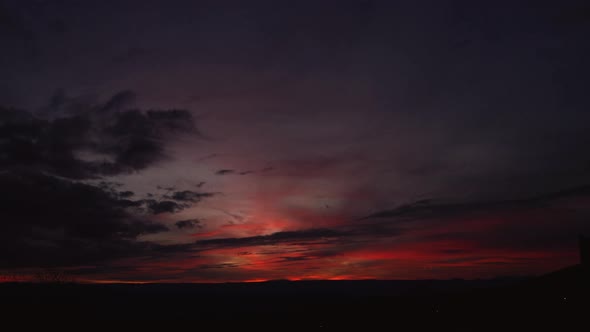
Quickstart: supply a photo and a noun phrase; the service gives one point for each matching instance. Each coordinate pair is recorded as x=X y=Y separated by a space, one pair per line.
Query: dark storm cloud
x=274 y=238
x=126 y=194
x=429 y=209
x=190 y=196
x=188 y=223
x=49 y=215
x=550 y=221
x=263 y=170
x=50 y=221
x=94 y=141
x=157 y=207
x=175 y=202
x=224 y=172
x=232 y=171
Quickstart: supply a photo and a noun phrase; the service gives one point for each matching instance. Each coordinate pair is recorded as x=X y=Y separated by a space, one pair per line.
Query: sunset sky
x=215 y=141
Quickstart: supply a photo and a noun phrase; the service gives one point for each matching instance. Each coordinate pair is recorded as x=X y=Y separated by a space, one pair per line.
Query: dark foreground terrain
x=557 y=301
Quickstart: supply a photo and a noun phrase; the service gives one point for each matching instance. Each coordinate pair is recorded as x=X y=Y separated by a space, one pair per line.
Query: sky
x=229 y=141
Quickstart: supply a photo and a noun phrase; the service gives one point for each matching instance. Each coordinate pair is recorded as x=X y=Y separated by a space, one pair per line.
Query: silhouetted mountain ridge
x=557 y=299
